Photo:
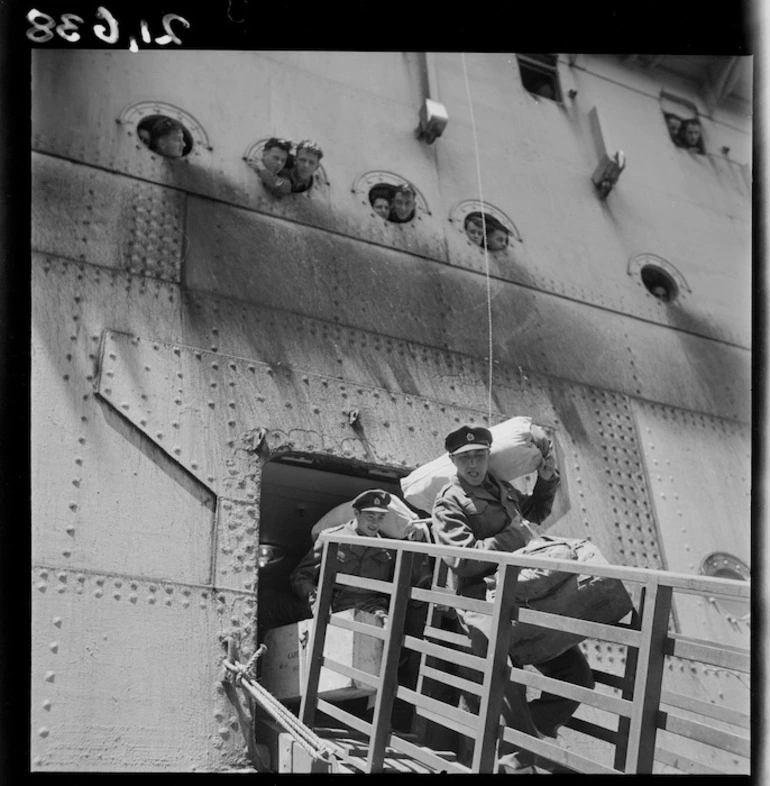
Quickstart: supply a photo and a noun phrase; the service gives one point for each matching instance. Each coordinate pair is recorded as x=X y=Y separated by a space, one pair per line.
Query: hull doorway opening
x=298 y=490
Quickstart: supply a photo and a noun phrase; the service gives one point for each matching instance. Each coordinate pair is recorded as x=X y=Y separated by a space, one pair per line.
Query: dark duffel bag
x=585 y=597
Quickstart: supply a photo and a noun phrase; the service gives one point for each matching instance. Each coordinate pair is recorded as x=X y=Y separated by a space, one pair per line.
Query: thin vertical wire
x=484 y=226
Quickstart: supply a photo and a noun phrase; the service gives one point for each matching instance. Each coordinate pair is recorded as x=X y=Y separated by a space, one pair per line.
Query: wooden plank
x=383 y=703
x=689 y=766
x=613 y=680
x=333 y=711
x=592 y=630
x=426 y=756
x=627 y=686
x=349 y=671
x=328 y=571
x=464 y=722
x=587 y=696
x=457 y=682
x=457 y=639
x=358 y=627
x=554 y=753
x=682 y=582
x=724 y=740
x=705 y=708
x=592 y=730
x=450 y=599
x=495 y=673
x=447 y=722
x=385 y=587
x=708 y=652
x=649 y=677
x=444 y=653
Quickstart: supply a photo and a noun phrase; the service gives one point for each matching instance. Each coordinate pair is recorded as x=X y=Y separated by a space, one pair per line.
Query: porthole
x=658 y=277
x=658 y=283
x=165 y=130
x=285 y=167
x=390 y=197
x=722 y=565
x=682 y=122
x=484 y=226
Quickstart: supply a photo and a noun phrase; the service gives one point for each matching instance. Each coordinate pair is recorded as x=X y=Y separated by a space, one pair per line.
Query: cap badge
x=470 y=437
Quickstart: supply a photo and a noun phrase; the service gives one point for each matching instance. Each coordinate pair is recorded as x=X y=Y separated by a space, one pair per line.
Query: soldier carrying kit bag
x=583 y=596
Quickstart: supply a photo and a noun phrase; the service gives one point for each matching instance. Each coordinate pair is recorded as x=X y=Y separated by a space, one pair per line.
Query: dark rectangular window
x=540 y=75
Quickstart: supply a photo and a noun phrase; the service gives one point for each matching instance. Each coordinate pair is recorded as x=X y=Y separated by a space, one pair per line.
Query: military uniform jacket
x=489 y=517
x=372 y=563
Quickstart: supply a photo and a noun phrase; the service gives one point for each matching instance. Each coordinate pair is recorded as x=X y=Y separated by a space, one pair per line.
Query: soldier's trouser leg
x=515 y=710
x=550 y=711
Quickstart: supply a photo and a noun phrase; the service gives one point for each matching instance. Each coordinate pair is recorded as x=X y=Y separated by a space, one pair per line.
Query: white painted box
x=284 y=665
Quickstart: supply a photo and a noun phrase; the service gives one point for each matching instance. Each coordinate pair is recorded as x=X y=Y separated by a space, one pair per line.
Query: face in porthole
x=403 y=204
x=475 y=232
x=381 y=207
x=305 y=164
x=274 y=159
x=171 y=144
x=497 y=239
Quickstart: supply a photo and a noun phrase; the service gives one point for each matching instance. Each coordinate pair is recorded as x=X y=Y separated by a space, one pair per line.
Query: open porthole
x=484 y=226
x=682 y=122
x=285 y=167
x=302 y=494
x=390 y=197
x=722 y=565
x=659 y=278
x=165 y=130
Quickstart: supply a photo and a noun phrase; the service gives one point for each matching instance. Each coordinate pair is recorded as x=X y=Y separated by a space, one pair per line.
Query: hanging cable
x=484 y=226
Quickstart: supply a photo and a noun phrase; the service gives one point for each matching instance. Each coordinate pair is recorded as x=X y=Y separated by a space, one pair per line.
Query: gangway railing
x=639 y=708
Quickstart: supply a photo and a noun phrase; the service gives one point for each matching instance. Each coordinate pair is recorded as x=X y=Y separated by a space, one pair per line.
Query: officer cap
x=375 y=499
x=468 y=438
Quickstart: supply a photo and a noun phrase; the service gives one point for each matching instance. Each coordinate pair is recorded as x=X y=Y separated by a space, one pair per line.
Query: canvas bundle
x=583 y=596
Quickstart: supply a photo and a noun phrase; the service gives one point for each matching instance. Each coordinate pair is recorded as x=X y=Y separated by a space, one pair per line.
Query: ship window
x=659 y=283
x=540 y=76
x=486 y=231
x=683 y=122
x=297 y=491
x=165 y=136
x=721 y=565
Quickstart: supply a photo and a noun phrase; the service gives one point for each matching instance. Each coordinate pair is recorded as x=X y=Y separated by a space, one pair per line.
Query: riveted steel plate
x=126 y=673
x=104 y=219
x=699 y=470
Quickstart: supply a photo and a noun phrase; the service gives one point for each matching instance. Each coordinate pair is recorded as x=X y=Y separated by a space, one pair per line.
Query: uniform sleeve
x=450 y=528
x=537 y=505
x=304 y=578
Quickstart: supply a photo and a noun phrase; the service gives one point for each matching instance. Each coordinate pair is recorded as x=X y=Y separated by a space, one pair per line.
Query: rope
x=484 y=225
x=302 y=734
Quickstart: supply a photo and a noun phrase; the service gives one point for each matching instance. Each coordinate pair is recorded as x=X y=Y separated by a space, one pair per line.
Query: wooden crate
x=284 y=665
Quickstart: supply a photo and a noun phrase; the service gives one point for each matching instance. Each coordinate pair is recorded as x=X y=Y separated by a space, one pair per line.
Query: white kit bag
x=518 y=448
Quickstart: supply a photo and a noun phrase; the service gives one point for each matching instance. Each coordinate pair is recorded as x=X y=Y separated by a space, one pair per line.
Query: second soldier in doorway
x=478 y=511
x=372 y=562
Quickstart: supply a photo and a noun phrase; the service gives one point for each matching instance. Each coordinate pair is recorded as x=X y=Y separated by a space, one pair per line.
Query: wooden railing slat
x=690 y=766
x=593 y=630
x=724 y=740
x=711 y=654
x=713 y=711
x=349 y=671
x=358 y=627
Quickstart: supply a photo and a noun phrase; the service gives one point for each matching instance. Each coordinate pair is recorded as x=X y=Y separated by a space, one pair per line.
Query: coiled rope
x=303 y=735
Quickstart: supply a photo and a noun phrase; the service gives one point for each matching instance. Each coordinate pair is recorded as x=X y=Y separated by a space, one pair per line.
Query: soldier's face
x=472 y=465
x=368 y=522
x=274 y=159
x=171 y=144
x=305 y=164
x=692 y=134
x=382 y=207
x=475 y=232
x=403 y=205
x=497 y=240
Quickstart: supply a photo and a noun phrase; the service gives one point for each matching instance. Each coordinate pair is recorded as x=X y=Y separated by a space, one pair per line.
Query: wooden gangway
x=635 y=699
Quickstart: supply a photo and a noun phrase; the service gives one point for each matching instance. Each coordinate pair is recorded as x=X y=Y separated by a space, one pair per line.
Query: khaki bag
x=585 y=597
